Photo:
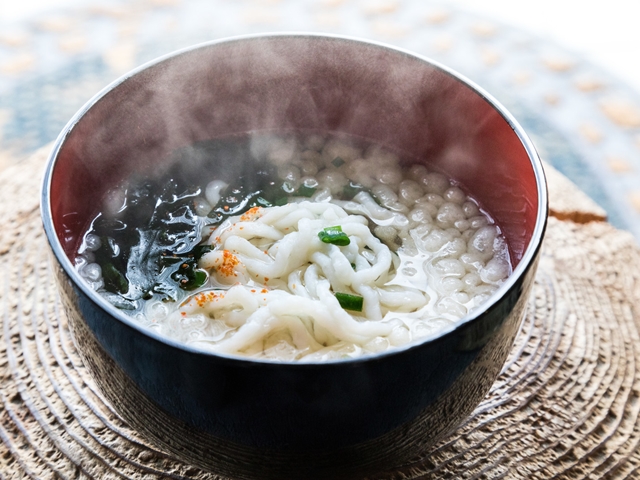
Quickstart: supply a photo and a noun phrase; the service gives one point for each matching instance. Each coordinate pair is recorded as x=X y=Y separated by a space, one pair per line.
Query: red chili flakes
x=205 y=297
x=229 y=262
x=253 y=291
x=184 y=314
x=226 y=208
x=264 y=290
x=250 y=214
x=266 y=279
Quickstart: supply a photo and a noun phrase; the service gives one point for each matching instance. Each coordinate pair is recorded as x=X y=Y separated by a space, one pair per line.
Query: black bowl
x=253 y=418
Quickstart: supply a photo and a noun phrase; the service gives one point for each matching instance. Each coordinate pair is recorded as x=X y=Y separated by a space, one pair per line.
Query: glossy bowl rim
x=518 y=272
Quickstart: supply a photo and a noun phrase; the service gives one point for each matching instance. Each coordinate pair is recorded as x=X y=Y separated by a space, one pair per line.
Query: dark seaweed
x=156 y=234
x=151 y=247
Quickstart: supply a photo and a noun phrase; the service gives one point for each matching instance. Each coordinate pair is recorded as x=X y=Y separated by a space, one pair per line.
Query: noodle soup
x=317 y=248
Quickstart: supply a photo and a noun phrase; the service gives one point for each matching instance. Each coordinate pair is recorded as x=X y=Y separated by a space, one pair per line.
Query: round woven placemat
x=565 y=406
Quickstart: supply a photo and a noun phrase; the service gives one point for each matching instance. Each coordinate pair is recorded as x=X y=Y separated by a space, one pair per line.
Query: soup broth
x=294 y=248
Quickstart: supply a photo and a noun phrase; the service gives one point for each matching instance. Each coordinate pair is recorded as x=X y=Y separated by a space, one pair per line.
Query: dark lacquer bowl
x=248 y=418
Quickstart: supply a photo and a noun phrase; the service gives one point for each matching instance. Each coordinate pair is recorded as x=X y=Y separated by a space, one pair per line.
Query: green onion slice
x=350 y=302
x=334 y=236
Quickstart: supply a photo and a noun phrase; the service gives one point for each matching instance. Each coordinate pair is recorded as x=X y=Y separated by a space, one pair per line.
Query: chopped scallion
x=350 y=302
x=334 y=236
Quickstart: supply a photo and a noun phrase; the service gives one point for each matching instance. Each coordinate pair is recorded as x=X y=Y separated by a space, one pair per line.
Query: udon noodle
x=358 y=257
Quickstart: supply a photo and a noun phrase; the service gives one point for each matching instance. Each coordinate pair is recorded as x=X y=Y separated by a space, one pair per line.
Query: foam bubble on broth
x=243 y=265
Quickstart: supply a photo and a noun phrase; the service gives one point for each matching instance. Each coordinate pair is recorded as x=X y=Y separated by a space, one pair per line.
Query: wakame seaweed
x=157 y=234
x=151 y=246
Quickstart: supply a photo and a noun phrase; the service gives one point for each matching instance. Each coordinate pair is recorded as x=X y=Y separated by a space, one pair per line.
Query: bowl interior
x=294 y=83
